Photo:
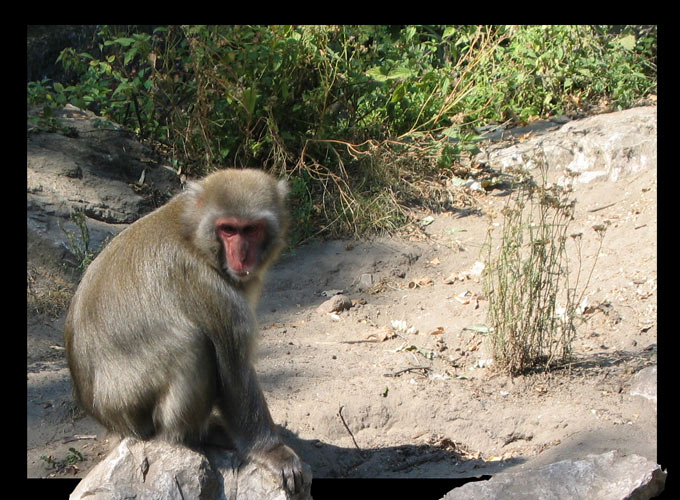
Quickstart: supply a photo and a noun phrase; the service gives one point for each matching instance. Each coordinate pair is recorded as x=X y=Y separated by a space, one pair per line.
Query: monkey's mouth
x=241 y=274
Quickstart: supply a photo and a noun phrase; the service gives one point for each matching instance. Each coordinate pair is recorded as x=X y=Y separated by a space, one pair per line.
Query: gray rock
x=598 y=148
x=607 y=476
x=365 y=281
x=104 y=172
x=154 y=470
x=644 y=384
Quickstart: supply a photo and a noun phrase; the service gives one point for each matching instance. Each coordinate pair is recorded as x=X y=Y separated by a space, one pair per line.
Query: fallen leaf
x=426 y=221
x=453 y=278
x=453 y=230
x=383 y=334
x=479 y=328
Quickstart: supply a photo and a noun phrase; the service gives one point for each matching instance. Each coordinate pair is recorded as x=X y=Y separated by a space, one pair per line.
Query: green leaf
x=547 y=99
x=448 y=31
x=445 y=86
x=398 y=93
x=124 y=42
x=376 y=74
x=453 y=131
x=122 y=88
x=248 y=100
x=400 y=72
x=130 y=55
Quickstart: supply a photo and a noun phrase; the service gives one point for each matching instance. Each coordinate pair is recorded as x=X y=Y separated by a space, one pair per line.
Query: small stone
x=336 y=303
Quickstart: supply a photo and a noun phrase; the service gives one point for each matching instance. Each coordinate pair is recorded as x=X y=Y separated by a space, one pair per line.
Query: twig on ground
x=348 y=430
x=410 y=369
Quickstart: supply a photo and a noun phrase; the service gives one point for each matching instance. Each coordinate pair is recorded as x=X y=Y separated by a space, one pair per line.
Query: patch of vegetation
x=47 y=293
x=335 y=108
x=49 y=283
x=535 y=297
x=65 y=464
x=80 y=244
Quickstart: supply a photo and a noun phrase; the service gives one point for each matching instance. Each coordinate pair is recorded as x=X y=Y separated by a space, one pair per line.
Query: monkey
x=159 y=335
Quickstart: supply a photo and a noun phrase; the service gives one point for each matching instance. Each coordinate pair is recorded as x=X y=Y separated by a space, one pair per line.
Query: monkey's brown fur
x=159 y=334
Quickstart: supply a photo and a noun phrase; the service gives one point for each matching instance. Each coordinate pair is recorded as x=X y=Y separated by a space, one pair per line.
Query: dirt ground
x=357 y=399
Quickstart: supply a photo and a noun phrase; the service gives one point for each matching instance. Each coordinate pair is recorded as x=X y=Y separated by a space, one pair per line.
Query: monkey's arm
x=244 y=408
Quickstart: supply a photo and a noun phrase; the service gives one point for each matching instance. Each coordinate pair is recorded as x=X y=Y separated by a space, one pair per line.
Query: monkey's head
x=238 y=219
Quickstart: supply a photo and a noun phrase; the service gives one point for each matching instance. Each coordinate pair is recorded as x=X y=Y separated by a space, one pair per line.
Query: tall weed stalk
x=535 y=301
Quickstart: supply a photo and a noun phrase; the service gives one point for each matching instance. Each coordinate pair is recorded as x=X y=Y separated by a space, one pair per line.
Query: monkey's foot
x=284 y=463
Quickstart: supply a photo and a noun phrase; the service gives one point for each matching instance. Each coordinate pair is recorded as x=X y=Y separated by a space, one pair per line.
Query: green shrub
x=327 y=105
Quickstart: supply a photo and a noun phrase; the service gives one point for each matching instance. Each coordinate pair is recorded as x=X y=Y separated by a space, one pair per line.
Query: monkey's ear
x=195 y=191
x=282 y=188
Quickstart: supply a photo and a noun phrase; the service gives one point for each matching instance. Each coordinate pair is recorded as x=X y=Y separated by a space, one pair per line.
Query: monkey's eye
x=228 y=229
x=250 y=229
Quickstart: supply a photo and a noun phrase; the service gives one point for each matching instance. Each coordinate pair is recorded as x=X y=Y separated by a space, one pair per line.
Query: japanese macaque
x=160 y=332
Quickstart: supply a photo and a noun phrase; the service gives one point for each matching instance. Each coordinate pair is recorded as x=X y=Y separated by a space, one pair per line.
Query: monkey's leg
x=183 y=411
x=184 y=390
x=252 y=429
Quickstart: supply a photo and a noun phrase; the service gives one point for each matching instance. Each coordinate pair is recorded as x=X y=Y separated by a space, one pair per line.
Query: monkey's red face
x=242 y=242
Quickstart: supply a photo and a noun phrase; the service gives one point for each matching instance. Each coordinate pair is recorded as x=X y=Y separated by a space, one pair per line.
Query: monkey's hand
x=284 y=464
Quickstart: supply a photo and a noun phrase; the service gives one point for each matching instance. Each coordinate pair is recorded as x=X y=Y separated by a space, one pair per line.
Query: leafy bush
x=335 y=107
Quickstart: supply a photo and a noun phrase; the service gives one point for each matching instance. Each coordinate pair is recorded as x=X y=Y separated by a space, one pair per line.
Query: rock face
x=598 y=148
x=153 y=470
x=605 y=476
x=101 y=171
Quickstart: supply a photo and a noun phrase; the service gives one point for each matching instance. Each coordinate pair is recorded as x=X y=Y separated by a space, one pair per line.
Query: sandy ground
x=357 y=400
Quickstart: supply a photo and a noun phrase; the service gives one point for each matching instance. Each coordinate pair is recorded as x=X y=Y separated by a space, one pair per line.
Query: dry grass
x=49 y=284
x=535 y=298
